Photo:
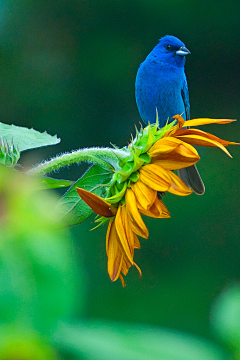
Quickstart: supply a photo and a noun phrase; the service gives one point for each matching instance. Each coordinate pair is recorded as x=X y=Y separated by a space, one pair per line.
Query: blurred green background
x=69 y=67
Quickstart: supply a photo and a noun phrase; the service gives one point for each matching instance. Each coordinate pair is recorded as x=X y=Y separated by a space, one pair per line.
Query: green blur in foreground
x=42 y=287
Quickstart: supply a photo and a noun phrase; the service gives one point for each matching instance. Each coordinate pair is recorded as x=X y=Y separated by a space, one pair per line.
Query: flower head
x=143 y=174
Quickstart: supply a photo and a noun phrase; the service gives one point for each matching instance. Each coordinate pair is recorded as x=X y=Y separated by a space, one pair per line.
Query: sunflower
x=143 y=174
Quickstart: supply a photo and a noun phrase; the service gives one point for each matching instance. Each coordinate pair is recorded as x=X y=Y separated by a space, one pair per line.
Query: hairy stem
x=105 y=157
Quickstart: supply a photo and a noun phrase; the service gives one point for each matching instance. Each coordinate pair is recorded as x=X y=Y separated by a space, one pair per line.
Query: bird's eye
x=168 y=47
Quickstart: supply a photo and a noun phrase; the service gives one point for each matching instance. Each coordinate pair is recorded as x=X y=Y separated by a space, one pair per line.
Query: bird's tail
x=190 y=176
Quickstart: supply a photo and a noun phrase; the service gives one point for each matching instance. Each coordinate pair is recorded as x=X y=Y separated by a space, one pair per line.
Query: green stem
x=105 y=157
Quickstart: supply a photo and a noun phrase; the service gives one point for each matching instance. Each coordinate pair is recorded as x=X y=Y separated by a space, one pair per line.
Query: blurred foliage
x=41 y=287
x=226 y=317
x=68 y=67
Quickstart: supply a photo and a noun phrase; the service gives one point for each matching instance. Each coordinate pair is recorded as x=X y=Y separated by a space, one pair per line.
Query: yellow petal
x=183 y=156
x=117 y=260
x=131 y=237
x=205 y=121
x=144 y=194
x=125 y=233
x=155 y=177
x=183 y=132
x=157 y=210
x=177 y=186
x=203 y=141
x=114 y=253
x=135 y=219
x=164 y=146
x=95 y=202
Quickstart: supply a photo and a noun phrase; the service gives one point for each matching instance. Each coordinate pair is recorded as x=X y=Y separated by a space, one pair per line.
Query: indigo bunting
x=161 y=85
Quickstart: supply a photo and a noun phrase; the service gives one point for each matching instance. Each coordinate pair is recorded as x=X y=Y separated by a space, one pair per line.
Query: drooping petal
x=114 y=253
x=164 y=146
x=99 y=205
x=144 y=194
x=125 y=271
x=122 y=281
x=125 y=233
x=155 y=177
x=201 y=140
x=138 y=269
x=206 y=121
x=177 y=186
x=137 y=244
x=135 y=219
x=183 y=156
x=117 y=260
x=183 y=132
x=157 y=210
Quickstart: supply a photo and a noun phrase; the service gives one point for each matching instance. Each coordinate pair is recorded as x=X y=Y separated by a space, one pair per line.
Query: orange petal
x=203 y=141
x=155 y=177
x=144 y=194
x=164 y=146
x=96 y=203
x=135 y=219
x=205 y=121
x=157 y=210
x=177 y=186
x=180 y=123
x=114 y=253
x=180 y=120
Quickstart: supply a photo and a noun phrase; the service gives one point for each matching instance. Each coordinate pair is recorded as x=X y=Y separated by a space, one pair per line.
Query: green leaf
x=51 y=183
x=98 y=340
x=24 y=138
x=73 y=209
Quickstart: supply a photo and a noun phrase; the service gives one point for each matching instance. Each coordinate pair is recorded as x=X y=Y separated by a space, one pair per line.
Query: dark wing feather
x=185 y=97
x=190 y=175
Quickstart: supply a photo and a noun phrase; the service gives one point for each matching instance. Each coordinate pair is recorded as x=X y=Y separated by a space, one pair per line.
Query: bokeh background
x=69 y=67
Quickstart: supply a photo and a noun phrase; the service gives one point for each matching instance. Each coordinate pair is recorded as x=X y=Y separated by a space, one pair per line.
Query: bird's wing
x=185 y=97
x=190 y=175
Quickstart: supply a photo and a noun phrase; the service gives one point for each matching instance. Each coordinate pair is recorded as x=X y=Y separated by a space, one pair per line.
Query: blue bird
x=161 y=84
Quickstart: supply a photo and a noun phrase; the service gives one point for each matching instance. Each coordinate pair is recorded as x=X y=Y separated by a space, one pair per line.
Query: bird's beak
x=183 y=51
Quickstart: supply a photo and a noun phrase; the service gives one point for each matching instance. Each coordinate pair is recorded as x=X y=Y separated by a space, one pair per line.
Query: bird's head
x=171 y=50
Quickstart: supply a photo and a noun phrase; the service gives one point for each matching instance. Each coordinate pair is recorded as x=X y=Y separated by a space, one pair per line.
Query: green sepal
x=134 y=176
x=148 y=139
x=145 y=158
x=118 y=194
x=138 y=162
x=125 y=172
x=101 y=220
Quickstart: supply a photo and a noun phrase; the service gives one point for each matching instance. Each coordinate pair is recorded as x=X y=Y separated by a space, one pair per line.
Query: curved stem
x=105 y=157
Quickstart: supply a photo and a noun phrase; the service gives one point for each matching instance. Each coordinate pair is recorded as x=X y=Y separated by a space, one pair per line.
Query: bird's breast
x=159 y=86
